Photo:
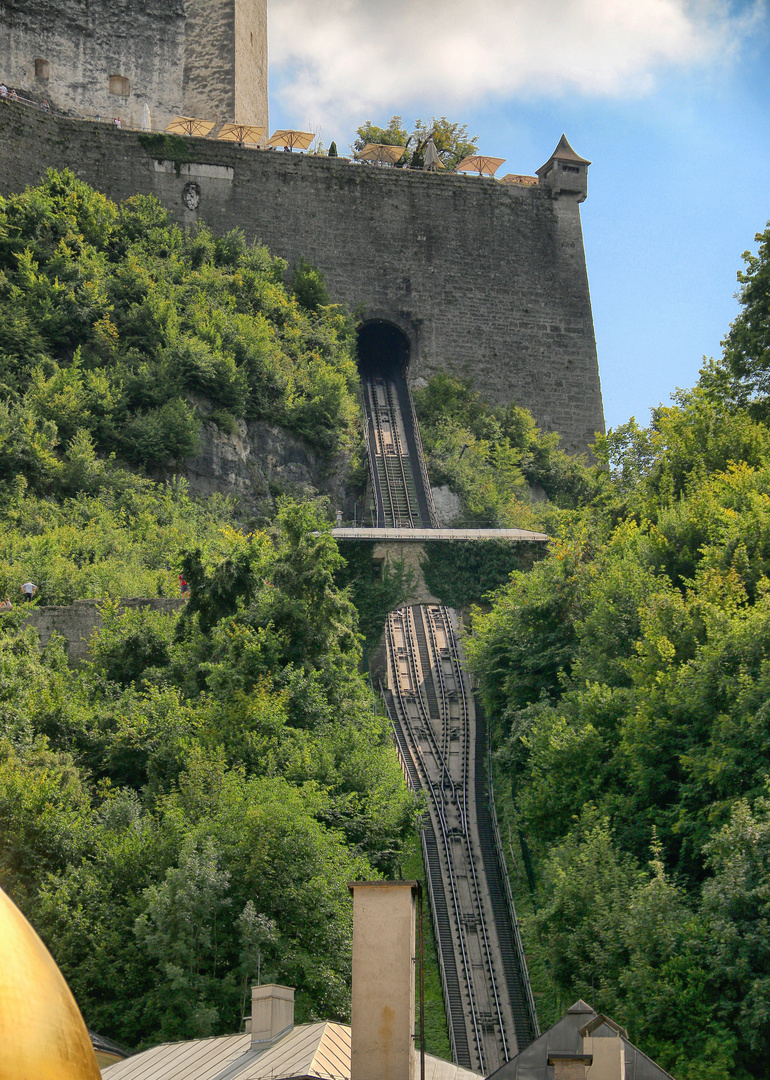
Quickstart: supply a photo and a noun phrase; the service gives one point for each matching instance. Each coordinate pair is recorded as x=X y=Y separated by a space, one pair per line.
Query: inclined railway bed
x=490 y=1009
x=434 y=718
x=400 y=485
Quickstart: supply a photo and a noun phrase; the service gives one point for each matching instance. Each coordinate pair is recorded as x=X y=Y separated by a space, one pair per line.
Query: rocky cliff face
x=259 y=462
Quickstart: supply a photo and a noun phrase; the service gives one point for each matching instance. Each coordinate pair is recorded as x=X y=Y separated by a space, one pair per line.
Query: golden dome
x=42 y=1034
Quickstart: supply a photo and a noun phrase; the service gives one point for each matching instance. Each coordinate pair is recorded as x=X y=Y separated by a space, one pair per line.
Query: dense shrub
x=116 y=323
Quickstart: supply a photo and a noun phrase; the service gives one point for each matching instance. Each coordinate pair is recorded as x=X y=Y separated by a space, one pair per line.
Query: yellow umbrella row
x=381 y=153
x=240 y=133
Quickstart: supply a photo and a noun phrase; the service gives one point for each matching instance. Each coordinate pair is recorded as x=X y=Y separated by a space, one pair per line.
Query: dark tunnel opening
x=383 y=349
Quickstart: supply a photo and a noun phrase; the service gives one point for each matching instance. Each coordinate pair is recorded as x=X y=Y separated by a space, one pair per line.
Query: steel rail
x=411 y=775
x=438 y=804
x=421 y=766
x=449 y=635
x=379 y=452
x=429 y=762
x=372 y=451
x=461 y=804
x=455 y=658
x=396 y=417
x=397 y=493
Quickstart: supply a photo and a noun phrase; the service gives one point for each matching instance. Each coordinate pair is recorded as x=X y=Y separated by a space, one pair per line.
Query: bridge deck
x=419 y=536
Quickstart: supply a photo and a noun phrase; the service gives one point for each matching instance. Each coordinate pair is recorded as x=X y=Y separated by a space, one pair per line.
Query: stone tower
x=565 y=172
x=104 y=58
x=225 y=60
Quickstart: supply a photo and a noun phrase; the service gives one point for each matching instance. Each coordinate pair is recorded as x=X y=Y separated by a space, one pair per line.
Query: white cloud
x=339 y=59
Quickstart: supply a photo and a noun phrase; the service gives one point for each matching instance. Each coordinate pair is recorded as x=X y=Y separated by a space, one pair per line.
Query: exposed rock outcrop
x=259 y=462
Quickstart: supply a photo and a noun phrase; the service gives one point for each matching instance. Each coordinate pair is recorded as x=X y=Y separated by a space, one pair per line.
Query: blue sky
x=669 y=99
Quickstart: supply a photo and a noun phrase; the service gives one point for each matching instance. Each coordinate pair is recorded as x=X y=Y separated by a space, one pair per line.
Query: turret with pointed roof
x=565 y=172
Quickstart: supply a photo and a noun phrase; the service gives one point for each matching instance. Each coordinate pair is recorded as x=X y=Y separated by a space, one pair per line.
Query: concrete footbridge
x=420 y=536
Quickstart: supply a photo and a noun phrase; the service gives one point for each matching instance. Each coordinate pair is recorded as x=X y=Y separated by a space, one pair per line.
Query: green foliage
x=127 y=541
x=451 y=140
x=117 y=325
x=374 y=590
x=129 y=642
x=309 y=286
x=163 y=146
x=332 y=149
x=741 y=376
x=464 y=571
x=496 y=459
x=626 y=675
x=187 y=808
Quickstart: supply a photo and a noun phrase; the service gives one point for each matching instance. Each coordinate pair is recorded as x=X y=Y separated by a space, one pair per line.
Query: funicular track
x=399 y=481
x=434 y=718
x=490 y=1008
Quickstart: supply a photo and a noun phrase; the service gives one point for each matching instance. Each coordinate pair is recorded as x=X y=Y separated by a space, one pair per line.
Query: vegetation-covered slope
x=181 y=814
x=116 y=323
x=627 y=678
x=184 y=812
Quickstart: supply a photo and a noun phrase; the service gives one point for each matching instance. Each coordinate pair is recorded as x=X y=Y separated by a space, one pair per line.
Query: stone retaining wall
x=76 y=622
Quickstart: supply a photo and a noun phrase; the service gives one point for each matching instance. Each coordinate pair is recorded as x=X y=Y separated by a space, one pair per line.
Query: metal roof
x=566 y=1037
x=309 y=1051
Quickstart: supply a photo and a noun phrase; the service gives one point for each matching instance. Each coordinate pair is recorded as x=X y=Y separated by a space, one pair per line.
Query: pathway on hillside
x=442 y=745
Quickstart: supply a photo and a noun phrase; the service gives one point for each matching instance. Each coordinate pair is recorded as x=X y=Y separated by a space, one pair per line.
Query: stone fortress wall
x=202 y=58
x=487 y=280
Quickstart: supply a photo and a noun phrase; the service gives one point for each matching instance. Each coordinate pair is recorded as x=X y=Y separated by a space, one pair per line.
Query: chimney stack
x=568 y=1065
x=272 y=1013
x=382 y=1019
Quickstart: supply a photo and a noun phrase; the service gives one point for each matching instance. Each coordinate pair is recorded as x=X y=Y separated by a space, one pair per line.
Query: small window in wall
x=42 y=69
x=119 y=85
x=570 y=168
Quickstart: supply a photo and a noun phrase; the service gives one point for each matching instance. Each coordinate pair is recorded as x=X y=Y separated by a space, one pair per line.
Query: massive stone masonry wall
x=205 y=58
x=85 y=43
x=487 y=280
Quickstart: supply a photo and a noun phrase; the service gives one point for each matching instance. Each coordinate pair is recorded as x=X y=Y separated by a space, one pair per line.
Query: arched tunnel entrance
x=383 y=349
x=400 y=488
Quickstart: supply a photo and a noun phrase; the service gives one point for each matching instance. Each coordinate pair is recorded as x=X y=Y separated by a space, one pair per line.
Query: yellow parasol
x=189 y=125
x=241 y=133
x=485 y=166
x=290 y=139
x=381 y=153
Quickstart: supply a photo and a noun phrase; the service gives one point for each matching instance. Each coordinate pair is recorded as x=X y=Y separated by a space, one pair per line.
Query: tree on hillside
x=452 y=141
x=742 y=374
